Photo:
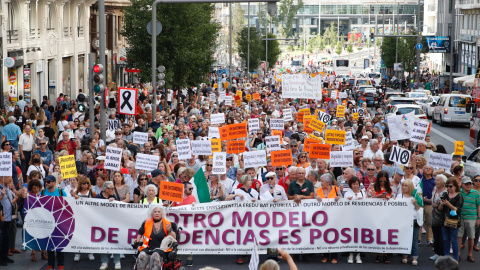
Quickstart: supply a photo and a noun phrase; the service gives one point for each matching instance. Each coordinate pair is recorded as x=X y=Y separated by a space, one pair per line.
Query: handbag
x=450 y=223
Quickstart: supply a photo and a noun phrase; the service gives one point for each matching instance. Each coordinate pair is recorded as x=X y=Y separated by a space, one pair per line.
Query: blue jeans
x=416 y=230
x=116 y=258
x=14 y=144
x=450 y=237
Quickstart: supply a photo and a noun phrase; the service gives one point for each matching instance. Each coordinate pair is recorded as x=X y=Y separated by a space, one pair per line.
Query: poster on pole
x=127 y=101
x=287 y=115
x=442 y=161
x=419 y=131
x=400 y=155
x=113 y=158
x=68 y=168
x=213 y=132
x=301 y=86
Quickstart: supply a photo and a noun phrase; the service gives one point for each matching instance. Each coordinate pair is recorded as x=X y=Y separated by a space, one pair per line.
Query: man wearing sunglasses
x=45 y=154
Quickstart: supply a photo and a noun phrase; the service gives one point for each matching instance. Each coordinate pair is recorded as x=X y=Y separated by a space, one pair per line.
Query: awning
x=469 y=83
x=463 y=79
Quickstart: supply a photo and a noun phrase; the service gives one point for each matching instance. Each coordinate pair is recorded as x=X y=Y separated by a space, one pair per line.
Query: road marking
x=450 y=139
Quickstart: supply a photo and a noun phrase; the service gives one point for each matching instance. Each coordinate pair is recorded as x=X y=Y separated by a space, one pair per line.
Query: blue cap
x=50 y=178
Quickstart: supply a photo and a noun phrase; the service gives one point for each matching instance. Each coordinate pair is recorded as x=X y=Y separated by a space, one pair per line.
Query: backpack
x=60 y=192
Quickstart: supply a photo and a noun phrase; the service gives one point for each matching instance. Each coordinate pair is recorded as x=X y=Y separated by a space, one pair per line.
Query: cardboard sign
x=255 y=159
x=401 y=155
x=272 y=143
x=287 y=115
x=146 y=162
x=171 y=191
x=6 y=164
x=437 y=160
x=324 y=117
x=256 y=96
x=305 y=111
x=278 y=133
x=113 y=158
x=216 y=145
x=248 y=97
x=140 y=137
x=201 y=147
x=217 y=118
x=239 y=93
x=308 y=142
x=335 y=136
x=334 y=94
x=67 y=166
x=183 y=149
x=219 y=163
x=349 y=142
x=215 y=85
x=355 y=116
x=213 y=132
x=419 y=131
x=235 y=147
x=306 y=125
x=282 y=158
x=253 y=125
x=300 y=117
x=239 y=102
x=316 y=125
x=223 y=133
x=213 y=98
x=320 y=151
x=228 y=100
x=340 y=111
x=459 y=148
x=342 y=95
x=127 y=101
x=236 y=131
x=223 y=96
x=277 y=124
x=311 y=136
x=341 y=159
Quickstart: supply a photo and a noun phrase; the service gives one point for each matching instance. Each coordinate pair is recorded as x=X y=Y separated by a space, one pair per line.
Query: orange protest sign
x=315 y=138
x=236 y=97
x=429 y=127
x=282 y=158
x=300 y=117
x=309 y=142
x=239 y=102
x=226 y=84
x=355 y=116
x=235 y=131
x=305 y=111
x=215 y=86
x=216 y=145
x=239 y=93
x=235 y=147
x=306 y=125
x=278 y=133
x=335 y=136
x=248 y=97
x=171 y=191
x=320 y=151
x=340 y=111
x=317 y=125
x=223 y=133
x=256 y=96
x=459 y=148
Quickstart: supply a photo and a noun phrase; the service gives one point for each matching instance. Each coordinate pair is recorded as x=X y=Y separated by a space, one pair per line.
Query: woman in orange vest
x=155 y=236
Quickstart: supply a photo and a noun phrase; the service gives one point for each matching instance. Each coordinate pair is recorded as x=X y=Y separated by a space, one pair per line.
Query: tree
x=238 y=22
x=330 y=35
x=339 y=48
x=256 y=47
x=185 y=47
x=407 y=52
x=273 y=50
x=388 y=50
x=350 y=42
x=286 y=11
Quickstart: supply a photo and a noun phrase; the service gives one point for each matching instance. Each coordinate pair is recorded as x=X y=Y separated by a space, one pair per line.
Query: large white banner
x=301 y=86
x=99 y=226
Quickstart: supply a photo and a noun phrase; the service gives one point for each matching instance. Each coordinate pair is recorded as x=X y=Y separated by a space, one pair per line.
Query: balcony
x=468 y=4
x=12 y=36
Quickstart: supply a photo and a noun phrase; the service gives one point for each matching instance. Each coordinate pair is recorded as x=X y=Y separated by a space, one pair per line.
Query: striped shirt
x=11 y=132
x=471 y=201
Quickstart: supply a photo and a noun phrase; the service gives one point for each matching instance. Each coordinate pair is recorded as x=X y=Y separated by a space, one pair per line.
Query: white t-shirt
x=253 y=194
x=36 y=168
x=278 y=192
x=355 y=196
x=61 y=125
x=229 y=185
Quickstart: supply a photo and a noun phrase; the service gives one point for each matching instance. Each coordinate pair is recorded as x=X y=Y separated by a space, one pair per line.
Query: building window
x=80 y=21
x=12 y=31
x=450 y=6
x=66 y=20
x=50 y=22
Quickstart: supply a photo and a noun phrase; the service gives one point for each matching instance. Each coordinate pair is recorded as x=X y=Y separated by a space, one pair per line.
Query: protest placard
x=282 y=158
x=334 y=94
x=300 y=117
x=349 y=142
x=400 y=126
x=256 y=96
x=235 y=147
x=419 y=131
x=200 y=147
x=184 y=150
x=287 y=115
x=335 y=136
x=400 y=155
x=305 y=111
x=272 y=143
x=223 y=96
x=113 y=158
x=342 y=95
x=146 y=162
x=255 y=159
x=217 y=118
x=67 y=166
x=216 y=145
x=228 y=100
x=341 y=159
x=140 y=137
x=171 y=191
x=235 y=131
x=213 y=132
x=278 y=133
x=248 y=97
x=316 y=125
x=459 y=148
x=127 y=101
x=442 y=161
x=219 y=163
x=320 y=151
x=324 y=117
x=239 y=93
x=340 y=111
x=276 y=124
x=6 y=164
x=308 y=142
x=306 y=124
x=213 y=98
x=253 y=125
x=301 y=86
x=355 y=116
x=311 y=136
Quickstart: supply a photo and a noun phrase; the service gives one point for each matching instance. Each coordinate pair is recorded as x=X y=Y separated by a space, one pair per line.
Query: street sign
x=9 y=62
x=375 y=57
x=127 y=101
x=158 y=30
x=419 y=46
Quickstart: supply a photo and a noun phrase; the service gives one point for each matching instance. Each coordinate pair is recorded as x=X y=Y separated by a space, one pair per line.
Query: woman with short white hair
x=246 y=192
x=151 y=198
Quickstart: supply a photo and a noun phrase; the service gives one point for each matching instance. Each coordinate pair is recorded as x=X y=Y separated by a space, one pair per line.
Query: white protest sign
x=228 y=100
x=202 y=148
x=146 y=162
x=255 y=258
x=213 y=132
x=419 y=131
x=324 y=117
x=114 y=124
x=183 y=149
x=273 y=143
x=304 y=106
x=113 y=158
x=222 y=96
x=342 y=95
x=217 y=118
x=140 y=137
x=334 y=94
x=400 y=155
x=127 y=101
x=349 y=142
x=287 y=115
x=253 y=125
x=212 y=97
x=277 y=124
x=437 y=160
x=341 y=159
x=255 y=159
x=219 y=163
x=6 y=164
x=301 y=86
x=400 y=126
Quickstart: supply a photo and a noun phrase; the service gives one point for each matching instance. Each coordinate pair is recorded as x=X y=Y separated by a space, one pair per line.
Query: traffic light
x=98 y=78
x=161 y=76
x=81 y=102
x=372 y=37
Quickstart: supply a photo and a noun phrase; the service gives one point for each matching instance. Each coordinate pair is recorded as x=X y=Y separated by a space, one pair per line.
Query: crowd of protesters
x=38 y=135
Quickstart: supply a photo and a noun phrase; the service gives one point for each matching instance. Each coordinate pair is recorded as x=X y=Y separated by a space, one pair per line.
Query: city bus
x=341 y=66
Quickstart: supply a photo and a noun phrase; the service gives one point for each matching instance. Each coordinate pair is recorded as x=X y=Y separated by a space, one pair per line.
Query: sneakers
x=118 y=266
x=61 y=267
x=189 y=263
x=358 y=259
x=76 y=258
x=434 y=257
x=414 y=262
x=49 y=267
x=350 y=258
x=102 y=267
x=91 y=257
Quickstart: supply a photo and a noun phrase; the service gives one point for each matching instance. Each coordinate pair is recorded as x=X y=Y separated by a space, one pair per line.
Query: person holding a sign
x=215 y=188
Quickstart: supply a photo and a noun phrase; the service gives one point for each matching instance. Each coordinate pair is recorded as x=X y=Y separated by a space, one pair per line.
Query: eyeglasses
x=229 y=159
x=269 y=178
x=382 y=181
x=7 y=144
x=259 y=133
x=279 y=169
x=143 y=179
x=409 y=168
x=450 y=186
x=48 y=181
x=469 y=183
x=303 y=157
x=293 y=145
x=379 y=160
x=174 y=156
x=85 y=183
x=109 y=188
x=190 y=189
x=42 y=143
x=209 y=165
x=476 y=180
x=429 y=147
x=370 y=169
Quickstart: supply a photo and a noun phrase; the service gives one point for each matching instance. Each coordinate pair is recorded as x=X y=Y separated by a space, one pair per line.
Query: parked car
x=452 y=108
x=396 y=101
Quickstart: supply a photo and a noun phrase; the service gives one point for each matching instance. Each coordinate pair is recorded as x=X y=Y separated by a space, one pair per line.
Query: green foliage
x=256 y=47
x=285 y=18
x=238 y=22
x=273 y=50
x=388 y=50
x=185 y=47
x=378 y=42
x=351 y=41
x=339 y=48
x=330 y=35
x=349 y=48
x=407 y=52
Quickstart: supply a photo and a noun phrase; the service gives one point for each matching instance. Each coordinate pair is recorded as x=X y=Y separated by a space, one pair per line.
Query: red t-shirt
x=186 y=201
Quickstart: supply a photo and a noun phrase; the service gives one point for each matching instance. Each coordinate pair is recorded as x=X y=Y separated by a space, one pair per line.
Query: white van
x=452 y=108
